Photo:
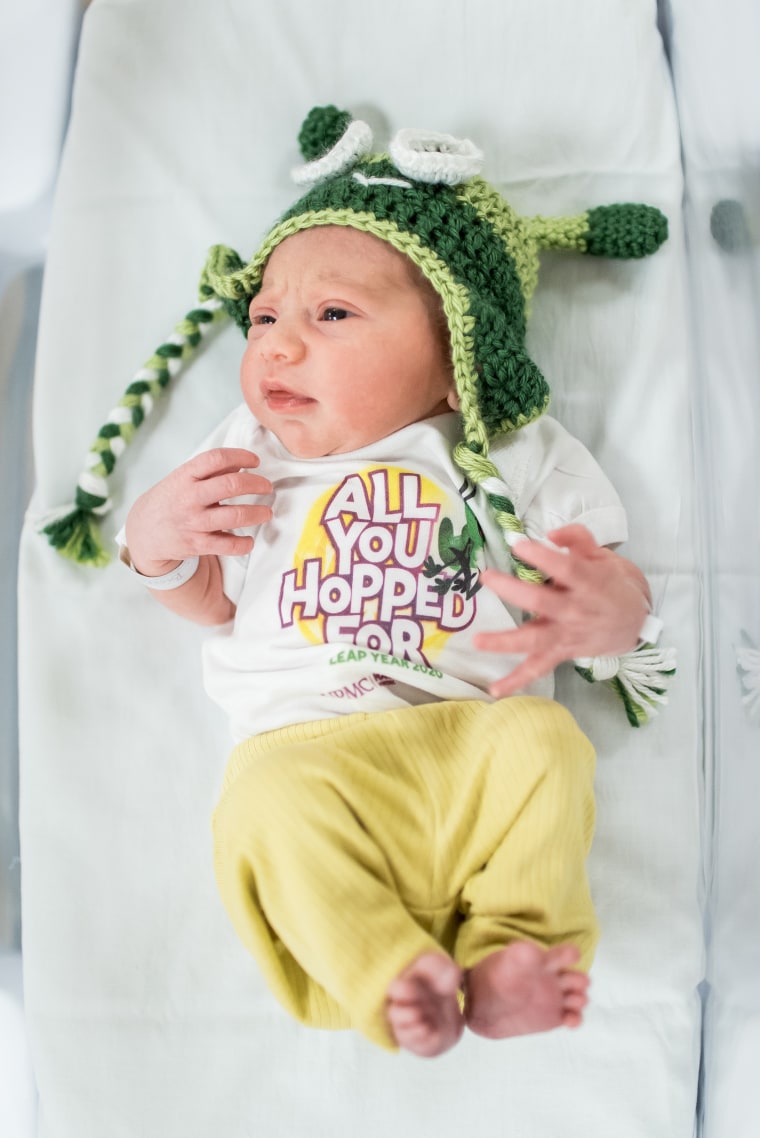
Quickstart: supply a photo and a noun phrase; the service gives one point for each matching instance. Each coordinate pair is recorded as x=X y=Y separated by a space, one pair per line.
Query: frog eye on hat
x=332 y=142
x=353 y=143
x=428 y=156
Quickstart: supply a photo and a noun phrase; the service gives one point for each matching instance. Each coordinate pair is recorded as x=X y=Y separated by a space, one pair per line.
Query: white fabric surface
x=147 y=1018
x=36 y=50
x=18 y=1096
x=718 y=89
x=37 y=41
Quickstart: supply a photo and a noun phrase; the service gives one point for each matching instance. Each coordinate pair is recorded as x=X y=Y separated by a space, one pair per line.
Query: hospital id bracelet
x=171 y=580
x=651 y=629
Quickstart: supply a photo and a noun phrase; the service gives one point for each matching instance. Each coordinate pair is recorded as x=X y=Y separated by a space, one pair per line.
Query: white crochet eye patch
x=425 y=156
x=428 y=156
x=356 y=142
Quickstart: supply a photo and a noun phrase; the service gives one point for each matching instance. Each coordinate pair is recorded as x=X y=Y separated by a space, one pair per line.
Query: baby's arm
x=188 y=514
x=593 y=603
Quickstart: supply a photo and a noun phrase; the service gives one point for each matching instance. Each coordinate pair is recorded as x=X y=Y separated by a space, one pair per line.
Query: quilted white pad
x=147 y=1017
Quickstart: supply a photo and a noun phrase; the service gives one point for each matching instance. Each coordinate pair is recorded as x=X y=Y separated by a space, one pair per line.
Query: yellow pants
x=347 y=847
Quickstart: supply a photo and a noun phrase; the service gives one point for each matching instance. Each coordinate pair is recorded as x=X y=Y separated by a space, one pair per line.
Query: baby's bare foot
x=423 y=1009
x=523 y=989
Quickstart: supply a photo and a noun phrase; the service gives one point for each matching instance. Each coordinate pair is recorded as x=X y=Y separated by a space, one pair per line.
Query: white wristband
x=651 y=629
x=171 y=580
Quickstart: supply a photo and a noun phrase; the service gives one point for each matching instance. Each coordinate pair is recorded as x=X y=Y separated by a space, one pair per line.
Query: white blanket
x=147 y=1017
x=718 y=89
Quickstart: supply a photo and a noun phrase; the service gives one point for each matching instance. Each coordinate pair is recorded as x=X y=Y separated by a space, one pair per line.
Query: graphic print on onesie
x=363 y=592
x=381 y=568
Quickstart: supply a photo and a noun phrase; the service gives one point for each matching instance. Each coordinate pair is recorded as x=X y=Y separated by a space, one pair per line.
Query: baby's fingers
x=575 y=538
x=234 y=516
x=226 y=544
x=537 y=637
x=232 y=484
x=543 y=600
x=221 y=460
x=533 y=668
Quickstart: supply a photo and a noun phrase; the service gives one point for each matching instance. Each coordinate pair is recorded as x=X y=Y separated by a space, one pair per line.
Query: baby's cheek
x=247 y=375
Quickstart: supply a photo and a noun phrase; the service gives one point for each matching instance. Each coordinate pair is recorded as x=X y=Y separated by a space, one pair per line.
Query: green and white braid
x=481 y=472
x=74 y=530
x=638 y=678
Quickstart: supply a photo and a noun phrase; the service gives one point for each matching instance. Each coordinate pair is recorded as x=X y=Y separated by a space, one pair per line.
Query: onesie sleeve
x=556 y=482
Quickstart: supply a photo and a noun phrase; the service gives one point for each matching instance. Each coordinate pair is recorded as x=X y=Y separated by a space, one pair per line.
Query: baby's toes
x=574 y=1001
x=561 y=957
x=403 y=1017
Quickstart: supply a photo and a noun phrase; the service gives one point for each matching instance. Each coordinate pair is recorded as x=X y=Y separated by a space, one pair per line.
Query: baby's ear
x=453 y=400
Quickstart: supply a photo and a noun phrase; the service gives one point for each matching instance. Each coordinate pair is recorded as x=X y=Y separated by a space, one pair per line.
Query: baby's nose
x=282 y=342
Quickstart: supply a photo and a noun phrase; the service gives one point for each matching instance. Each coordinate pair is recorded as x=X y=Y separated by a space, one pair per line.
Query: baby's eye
x=334 y=313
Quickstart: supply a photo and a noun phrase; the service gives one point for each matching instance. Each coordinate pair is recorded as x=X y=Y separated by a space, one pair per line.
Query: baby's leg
x=311 y=843
x=529 y=927
x=523 y=989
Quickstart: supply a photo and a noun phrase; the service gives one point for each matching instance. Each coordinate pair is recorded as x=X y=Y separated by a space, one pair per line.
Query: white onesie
x=362 y=593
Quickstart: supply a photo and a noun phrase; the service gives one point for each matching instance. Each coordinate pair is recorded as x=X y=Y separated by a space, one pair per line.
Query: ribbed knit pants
x=347 y=847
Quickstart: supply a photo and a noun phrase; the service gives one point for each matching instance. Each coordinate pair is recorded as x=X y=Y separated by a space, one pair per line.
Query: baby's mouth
x=280 y=398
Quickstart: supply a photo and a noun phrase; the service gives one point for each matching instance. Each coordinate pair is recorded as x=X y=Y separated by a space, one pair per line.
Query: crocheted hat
x=427 y=200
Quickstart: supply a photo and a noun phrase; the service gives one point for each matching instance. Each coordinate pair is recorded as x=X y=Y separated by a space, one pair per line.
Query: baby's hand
x=188 y=512
x=593 y=603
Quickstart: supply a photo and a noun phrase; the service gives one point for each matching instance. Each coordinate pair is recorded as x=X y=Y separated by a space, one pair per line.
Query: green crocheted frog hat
x=427 y=200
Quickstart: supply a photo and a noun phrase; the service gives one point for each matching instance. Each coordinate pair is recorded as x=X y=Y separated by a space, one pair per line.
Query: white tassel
x=642 y=674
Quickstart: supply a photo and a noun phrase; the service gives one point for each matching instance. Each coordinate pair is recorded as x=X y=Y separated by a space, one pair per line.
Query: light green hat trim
x=455 y=297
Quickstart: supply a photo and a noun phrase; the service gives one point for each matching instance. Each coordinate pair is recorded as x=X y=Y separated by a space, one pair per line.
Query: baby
x=404 y=823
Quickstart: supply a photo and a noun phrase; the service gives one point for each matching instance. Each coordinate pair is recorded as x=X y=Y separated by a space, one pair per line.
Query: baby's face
x=344 y=347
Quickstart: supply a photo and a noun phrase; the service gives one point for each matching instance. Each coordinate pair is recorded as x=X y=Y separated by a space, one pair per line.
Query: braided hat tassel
x=482 y=472
x=75 y=530
x=639 y=678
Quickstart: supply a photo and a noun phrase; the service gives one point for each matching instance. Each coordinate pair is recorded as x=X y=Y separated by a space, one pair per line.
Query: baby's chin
x=313 y=443
x=300 y=447
x=320 y=444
